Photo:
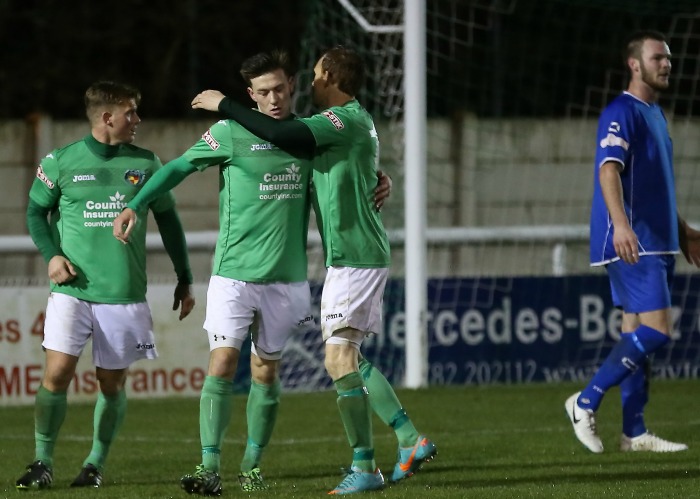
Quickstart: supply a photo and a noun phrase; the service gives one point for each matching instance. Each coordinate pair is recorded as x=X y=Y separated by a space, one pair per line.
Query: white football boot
x=650 y=443
x=584 y=424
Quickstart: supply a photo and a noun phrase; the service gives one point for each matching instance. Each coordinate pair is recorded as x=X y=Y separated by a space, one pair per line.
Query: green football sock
x=355 y=413
x=261 y=411
x=108 y=418
x=215 y=406
x=49 y=413
x=386 y=404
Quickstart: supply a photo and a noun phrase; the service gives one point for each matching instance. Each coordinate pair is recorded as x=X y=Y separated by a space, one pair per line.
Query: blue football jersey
x=635 y=134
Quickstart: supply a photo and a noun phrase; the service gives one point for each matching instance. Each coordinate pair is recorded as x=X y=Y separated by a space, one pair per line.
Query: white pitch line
x=341 y=438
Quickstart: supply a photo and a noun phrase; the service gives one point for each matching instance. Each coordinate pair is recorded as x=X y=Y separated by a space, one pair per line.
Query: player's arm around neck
x=285 y=134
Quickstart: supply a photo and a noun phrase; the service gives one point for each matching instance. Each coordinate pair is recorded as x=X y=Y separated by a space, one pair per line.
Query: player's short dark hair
x=345 y=67
x=109 y=93
x=267 y=62
x=633 y=43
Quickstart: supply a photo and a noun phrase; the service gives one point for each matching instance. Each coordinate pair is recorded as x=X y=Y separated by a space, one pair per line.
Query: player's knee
x=332 y=367
x=111 y=381
x=223 y=362
x=58 y=379
x=59 y=371
x=263 y=371
x=57 y=382
x=341 y=356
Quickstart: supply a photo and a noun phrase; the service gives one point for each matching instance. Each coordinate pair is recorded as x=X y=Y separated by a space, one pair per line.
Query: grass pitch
x=493 y=442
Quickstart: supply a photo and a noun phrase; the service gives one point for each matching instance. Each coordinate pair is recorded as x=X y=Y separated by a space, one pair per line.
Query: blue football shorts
x=644 y=286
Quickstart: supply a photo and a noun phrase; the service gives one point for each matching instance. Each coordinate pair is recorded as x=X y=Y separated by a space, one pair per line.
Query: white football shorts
x=121 y=333
x=269 y=312
x=352 y=298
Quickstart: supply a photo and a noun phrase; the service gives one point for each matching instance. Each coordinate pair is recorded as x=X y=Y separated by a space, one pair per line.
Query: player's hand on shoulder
x=209 y=100
x=184 y=299
x=124 y=224
x=61 y=270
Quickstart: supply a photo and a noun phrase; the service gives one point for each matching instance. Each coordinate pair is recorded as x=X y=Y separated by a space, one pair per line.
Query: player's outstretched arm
x=689 y=240
x=165 y=179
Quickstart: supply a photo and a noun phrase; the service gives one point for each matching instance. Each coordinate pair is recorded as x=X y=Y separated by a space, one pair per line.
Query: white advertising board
x=183 y=349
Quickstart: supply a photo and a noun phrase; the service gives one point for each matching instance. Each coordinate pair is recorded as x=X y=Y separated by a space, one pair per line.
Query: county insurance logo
x=285 y=185
x=101 y=213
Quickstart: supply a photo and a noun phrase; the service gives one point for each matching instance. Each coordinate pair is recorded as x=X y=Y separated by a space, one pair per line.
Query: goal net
x=514 y=90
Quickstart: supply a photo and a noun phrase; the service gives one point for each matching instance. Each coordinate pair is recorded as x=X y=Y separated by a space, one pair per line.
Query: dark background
x=513 y=57
x=52 y=50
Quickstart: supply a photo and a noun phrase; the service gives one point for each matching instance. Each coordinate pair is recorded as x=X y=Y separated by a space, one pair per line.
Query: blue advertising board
x=505 y=330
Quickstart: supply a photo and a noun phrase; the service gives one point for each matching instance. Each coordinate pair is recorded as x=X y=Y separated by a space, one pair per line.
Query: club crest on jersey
x=334 y=119
x=210 y=140
x=134 y=177
x=42 y=176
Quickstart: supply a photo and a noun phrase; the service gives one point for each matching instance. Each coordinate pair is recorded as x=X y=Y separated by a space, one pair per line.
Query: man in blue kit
x=635 y=233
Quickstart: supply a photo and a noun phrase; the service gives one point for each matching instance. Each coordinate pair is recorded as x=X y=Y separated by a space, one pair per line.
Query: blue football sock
x=648 y=339
x=634 y=391
x=623 y=359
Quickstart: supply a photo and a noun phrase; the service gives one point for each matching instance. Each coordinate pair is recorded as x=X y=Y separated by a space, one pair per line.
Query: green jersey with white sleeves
x=344 y=179
x=263 y=205
x=85 y=185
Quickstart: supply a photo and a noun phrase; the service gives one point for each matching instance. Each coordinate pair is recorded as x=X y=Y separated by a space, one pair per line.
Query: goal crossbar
x=365 y=24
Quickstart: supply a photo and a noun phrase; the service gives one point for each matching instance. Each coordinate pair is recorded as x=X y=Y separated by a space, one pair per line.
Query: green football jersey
x=85 y=185
x=344 y=179
x=263 y=205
